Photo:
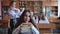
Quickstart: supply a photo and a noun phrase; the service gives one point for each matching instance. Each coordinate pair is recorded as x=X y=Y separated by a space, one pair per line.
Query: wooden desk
x=45 y=28
x=54 y=19
x=4 y=22
x=51 y=25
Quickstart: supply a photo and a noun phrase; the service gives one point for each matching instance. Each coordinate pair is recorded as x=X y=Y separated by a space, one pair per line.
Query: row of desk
x=43 y=28
x=47 y=28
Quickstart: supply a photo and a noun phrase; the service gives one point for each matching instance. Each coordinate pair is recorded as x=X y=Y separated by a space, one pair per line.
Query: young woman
x=26 y=20
x=14 y=14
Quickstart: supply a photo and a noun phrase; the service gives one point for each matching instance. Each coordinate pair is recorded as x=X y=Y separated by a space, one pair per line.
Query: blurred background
x=49 y=8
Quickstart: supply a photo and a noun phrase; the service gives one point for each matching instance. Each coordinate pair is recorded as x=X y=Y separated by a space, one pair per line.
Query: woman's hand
x=29 y=24
x=16 y=30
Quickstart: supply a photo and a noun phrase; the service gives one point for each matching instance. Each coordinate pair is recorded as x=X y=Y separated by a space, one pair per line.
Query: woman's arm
x=22 y=11
x=16 y=31
x=35 y=30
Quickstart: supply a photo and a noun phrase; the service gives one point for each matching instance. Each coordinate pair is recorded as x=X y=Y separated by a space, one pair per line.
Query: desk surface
x=51 y=25
x=54 y=19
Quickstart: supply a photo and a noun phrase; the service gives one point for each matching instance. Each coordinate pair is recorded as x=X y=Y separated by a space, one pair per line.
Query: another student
x=26 y=19
x=36 y=19
x=52 y=13
x=42 y=18
x=14 y=14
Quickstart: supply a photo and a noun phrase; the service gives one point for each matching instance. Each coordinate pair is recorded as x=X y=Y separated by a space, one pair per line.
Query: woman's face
x=14 y=4
x=27 y=16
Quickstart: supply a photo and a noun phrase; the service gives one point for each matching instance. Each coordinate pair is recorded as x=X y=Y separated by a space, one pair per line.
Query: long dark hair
x=22 y=18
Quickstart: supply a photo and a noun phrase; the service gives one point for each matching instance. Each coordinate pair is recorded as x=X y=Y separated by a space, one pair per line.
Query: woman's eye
x=29 y=16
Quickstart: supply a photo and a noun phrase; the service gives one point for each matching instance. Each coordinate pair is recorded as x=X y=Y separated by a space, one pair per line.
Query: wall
x=7 y=3
x=52 y=3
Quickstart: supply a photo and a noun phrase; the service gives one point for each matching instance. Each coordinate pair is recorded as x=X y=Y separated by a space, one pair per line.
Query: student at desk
x=42 y=18
x=36 y=19
x=52 y=13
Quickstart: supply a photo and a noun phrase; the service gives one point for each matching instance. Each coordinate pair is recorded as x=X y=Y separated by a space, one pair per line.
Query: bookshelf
x=38 y=7
x=55 y=9
x=22 y=4
x=30 y=5
x=35 y=6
